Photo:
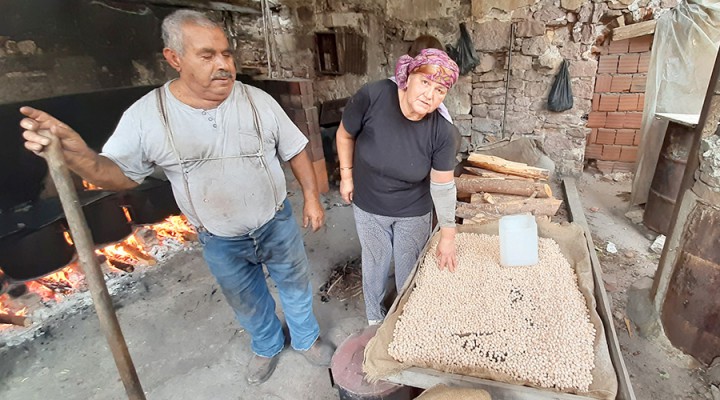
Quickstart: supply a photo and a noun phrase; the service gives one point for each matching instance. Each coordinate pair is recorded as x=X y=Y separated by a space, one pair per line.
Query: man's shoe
x=320 y=353
x=260 y=369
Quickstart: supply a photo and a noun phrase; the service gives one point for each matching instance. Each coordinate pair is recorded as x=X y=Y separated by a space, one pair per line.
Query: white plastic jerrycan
x=518 y=241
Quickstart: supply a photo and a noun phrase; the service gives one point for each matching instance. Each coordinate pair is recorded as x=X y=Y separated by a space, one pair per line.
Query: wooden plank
x=634 y=30
x=426 y=378
x=574 y=205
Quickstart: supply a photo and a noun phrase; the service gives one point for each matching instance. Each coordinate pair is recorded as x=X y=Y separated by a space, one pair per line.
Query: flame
x=127 y=214
x=89 y=186
x=122 y=256
x=7 y=307
x=68 y=238
x=176 y=227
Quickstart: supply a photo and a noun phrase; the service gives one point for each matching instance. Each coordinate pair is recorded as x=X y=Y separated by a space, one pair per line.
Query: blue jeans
x=237 y=264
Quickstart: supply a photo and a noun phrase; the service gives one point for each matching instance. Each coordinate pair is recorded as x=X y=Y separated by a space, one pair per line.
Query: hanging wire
x=268 y=54
x=507 y=79
x=273 y=43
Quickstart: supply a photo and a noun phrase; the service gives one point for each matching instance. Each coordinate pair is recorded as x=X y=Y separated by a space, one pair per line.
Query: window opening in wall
x=340 y=53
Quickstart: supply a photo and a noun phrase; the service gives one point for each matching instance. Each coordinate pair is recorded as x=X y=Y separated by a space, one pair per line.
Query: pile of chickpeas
x=531 y=323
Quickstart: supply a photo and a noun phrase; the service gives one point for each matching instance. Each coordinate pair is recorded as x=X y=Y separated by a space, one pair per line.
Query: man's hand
x=74 y=147
x=313 y=215
x=445 y=252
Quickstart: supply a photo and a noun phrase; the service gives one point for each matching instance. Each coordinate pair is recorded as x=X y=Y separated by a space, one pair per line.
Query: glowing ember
x=6 y=307
x=137 y=249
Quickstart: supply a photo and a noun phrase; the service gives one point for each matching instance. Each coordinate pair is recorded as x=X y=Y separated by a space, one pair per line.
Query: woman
x=397 y=156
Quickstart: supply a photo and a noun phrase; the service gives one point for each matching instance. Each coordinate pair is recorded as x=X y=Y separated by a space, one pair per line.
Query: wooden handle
x=93 y=274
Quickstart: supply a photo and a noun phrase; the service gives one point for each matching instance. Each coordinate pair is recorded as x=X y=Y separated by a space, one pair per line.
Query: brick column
x=617 y=105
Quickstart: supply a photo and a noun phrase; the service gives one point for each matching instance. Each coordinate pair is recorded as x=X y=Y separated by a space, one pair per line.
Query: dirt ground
x=186 y=345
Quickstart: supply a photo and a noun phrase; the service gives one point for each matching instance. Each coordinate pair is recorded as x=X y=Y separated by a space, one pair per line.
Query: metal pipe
x=93 y=274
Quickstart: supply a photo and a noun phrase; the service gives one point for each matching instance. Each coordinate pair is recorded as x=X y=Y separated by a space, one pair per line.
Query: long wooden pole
x=93 y=274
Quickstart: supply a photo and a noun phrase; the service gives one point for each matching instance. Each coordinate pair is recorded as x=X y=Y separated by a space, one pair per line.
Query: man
x=220 y=144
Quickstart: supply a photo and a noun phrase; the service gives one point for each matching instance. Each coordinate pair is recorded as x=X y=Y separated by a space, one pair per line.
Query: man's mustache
x=222 y=75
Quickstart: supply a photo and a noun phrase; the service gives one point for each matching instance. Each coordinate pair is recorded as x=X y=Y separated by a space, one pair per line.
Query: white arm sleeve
x=444 y=195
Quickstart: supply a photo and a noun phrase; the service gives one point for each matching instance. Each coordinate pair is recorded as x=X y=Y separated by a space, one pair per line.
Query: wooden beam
x=634 y=30
x=240 y=6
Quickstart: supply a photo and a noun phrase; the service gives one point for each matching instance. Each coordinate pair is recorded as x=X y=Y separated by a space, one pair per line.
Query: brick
x=596 y=101
x=640 y=44
x=619 y=166
x=619 y=46
x=611 y=152
x=628 y=153
x=602 y=83
x=621 y=83
x=605 y=167
x=641 y=101
x=609 y=102
x=636 y=140
x=625 y=137
x=596 y=119
x=606 y=136
x=628 y=102
x=628 y=63
x=615 y=120
x=608 y=64
x=593 y=135
x=633 y=120
x=593 y=151
x=638 y=83
x=292 y=101
x=644 y=62
x=321 y=176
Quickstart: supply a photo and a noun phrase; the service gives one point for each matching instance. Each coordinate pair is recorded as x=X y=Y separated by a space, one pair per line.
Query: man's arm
x=313 y=212
x=80 y=158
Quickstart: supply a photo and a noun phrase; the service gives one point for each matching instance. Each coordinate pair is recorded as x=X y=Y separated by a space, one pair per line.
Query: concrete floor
x=186 y=345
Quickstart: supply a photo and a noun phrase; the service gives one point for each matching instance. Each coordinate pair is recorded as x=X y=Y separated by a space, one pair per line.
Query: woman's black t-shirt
x=393 y=155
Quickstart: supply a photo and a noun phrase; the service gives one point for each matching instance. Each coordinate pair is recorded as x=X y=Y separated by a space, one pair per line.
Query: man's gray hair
x=172 y=34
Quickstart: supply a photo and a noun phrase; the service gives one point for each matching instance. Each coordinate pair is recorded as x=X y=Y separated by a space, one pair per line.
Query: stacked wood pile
x=494 y=187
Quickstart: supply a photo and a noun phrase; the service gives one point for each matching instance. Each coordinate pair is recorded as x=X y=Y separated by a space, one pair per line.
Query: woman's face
x=424 y=95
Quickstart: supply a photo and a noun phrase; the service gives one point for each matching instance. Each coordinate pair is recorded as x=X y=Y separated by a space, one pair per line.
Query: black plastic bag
x=464 y=52
x=561 y=97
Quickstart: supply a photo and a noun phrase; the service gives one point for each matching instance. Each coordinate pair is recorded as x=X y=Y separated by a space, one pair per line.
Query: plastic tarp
x=683 y=54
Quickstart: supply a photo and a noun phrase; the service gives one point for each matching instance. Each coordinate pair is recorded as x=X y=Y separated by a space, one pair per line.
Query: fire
x=127 y=214
x=68 y=238
x=176 y=227
x=89 y=186
x=140 y=248
x=6 y=307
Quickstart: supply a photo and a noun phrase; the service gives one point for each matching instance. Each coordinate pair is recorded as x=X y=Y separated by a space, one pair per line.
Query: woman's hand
x=445 y=252
x=346 y=189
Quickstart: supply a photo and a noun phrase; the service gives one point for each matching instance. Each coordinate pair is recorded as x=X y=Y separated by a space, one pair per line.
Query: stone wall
x=546 y=32
x=85 y=46
x=74 y=46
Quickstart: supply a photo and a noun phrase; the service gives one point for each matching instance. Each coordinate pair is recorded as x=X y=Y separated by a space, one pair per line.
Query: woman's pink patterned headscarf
x=446 y=75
